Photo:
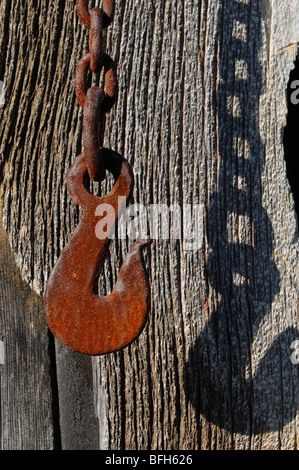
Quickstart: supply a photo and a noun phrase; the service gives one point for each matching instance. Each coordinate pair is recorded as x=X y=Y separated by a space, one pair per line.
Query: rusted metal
x=81 y=79
x=82 y=12
x=84 y=16
x=111 y=85
x=91 y=133
x=96 y=39
x=108 y=9
x=77 y=316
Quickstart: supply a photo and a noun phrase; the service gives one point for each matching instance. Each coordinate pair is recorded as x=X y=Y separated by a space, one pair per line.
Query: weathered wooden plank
x=281 y=322
x=27 y=404
x=200 y=114
x=79 y=426
x=35 y=45
x=222 y=324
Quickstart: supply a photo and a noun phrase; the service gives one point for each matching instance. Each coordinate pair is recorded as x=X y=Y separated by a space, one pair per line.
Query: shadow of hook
x=79 y=318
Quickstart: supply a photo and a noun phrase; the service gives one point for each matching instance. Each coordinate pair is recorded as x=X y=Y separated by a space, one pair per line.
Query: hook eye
x=78 y=179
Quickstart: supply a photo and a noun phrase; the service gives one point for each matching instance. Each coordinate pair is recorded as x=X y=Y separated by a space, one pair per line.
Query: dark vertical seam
x=57 y=445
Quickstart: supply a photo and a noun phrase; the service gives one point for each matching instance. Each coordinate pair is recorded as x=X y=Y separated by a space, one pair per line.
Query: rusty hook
x=78 y=317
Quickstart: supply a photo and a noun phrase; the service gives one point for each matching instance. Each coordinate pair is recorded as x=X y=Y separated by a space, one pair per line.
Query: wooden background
x=201 y=115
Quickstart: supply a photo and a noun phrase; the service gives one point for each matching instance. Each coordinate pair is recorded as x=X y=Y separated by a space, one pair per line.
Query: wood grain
x=27 y=385
x=200 y=115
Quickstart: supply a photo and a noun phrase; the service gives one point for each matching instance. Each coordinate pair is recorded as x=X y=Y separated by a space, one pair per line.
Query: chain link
x=95 y=101
x=96 y=39
x=84 y=16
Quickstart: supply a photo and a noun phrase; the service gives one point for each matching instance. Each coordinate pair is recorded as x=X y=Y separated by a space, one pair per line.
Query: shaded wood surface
x=200 y=115
x=27 y=388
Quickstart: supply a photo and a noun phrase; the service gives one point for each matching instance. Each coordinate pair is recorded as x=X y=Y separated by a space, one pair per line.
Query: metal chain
x=78 y=318
x=95 y=101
